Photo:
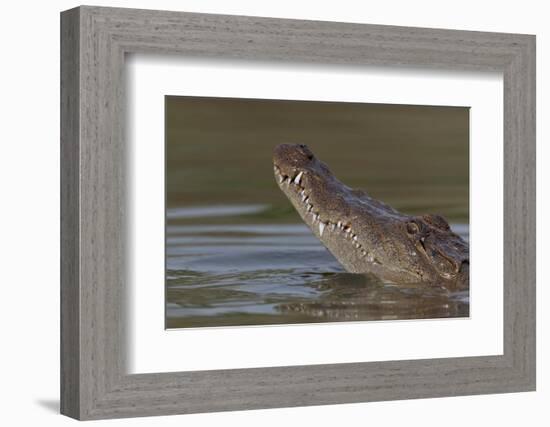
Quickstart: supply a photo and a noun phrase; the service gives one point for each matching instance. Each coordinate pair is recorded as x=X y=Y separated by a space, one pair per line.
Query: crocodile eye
x=412 y=228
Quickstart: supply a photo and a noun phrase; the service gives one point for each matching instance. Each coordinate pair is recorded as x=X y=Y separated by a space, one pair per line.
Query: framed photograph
x=263 y=213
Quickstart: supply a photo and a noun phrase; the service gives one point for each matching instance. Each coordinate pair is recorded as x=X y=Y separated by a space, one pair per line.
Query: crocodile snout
x=293 y=155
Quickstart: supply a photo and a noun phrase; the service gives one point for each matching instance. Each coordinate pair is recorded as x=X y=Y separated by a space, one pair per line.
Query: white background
x=29 y=177
x=152 y=349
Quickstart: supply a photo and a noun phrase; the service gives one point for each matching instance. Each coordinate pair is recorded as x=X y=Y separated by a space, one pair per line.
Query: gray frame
x=94 y=41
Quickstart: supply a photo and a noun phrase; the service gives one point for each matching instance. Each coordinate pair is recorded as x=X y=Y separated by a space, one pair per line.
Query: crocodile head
x=366 y=235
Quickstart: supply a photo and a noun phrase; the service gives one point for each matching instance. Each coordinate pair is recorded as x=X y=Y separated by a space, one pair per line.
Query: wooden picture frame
x=94 y=382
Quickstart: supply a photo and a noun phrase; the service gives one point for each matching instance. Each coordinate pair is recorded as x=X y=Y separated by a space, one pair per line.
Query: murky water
x=250 y=274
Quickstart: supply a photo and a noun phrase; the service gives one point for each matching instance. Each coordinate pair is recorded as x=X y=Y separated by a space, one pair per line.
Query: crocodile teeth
x=321 y=228
x=298 y=178
x=309 y=207
x=281 y=179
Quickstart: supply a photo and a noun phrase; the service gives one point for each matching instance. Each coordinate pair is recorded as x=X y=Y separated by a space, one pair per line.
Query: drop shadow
x=51 y=405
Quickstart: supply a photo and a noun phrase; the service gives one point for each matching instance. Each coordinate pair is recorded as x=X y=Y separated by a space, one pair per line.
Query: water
x=247 y=272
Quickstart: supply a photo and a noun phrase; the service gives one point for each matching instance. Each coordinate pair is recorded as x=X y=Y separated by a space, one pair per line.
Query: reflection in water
x=360 y=297
x=250 y=274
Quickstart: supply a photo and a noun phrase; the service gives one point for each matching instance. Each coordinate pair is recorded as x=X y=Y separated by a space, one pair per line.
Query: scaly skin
x=366 y=235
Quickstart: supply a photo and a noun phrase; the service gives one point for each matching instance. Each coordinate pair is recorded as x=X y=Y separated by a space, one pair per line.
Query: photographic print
x=289 y=212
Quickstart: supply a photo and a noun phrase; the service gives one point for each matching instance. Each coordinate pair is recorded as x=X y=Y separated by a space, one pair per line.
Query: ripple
x=251 y=274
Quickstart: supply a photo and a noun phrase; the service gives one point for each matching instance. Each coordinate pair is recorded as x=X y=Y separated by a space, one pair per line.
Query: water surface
x=251 y=274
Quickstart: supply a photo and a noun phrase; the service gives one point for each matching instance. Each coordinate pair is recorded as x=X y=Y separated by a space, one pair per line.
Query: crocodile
x=367 y=235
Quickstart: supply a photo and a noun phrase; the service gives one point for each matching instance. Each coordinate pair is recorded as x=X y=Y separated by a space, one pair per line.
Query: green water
x=236 y=251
